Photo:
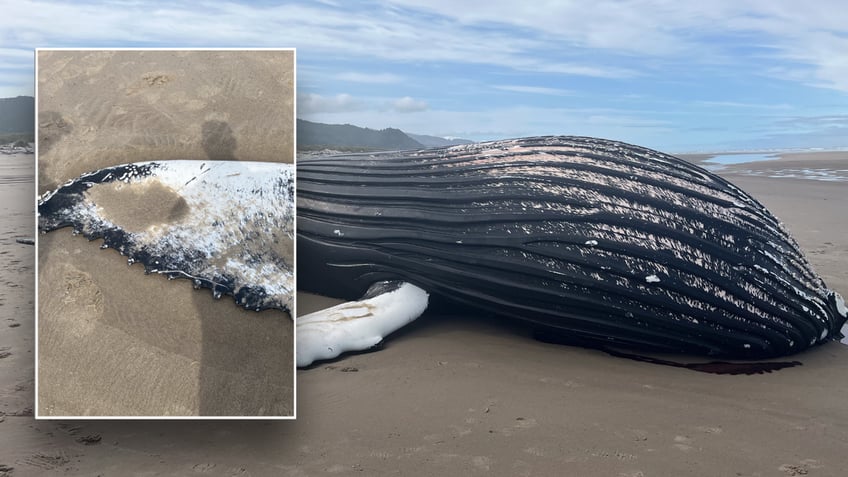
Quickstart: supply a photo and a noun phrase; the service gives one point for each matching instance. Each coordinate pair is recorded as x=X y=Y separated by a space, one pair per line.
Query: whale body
x=600 y=240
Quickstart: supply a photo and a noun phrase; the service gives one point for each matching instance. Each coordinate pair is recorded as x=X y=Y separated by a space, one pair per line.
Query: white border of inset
x=294 y=248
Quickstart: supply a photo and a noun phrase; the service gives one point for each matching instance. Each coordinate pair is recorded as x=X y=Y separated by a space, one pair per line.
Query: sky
x=678 y=76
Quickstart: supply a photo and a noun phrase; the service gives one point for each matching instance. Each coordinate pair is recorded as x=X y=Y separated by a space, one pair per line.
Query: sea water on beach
x=17 y=170
x=718 y=162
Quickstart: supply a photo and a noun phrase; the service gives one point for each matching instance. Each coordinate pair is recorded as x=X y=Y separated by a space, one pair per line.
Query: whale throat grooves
x=596 y=239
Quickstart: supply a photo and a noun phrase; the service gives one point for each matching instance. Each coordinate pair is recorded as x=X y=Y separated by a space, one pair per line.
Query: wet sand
x=470 y=396
x=113 y=341
x=17 y=288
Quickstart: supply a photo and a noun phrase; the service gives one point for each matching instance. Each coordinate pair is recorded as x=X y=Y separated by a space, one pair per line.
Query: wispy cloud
x=408 y=104
x=377 y=32
x=534 y=90
x=370 y=78
x=744 y=105
x=311 y=103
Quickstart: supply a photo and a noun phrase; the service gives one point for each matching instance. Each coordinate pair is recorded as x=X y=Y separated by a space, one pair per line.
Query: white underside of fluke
x=357 y=325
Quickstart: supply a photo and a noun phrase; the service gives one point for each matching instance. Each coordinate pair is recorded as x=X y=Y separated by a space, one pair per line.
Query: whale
x=598 y=240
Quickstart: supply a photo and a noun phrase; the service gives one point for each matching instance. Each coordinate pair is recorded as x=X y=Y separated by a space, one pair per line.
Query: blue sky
x=673 y=75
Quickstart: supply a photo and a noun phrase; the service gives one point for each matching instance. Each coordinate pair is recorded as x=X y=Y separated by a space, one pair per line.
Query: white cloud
x=743 y=105
x=371 y=78
x=310 y=103
x=812 y=35
x=19 y=54
x=382 y=33
x=551 y=38
x=534 y=90
x=408 y=104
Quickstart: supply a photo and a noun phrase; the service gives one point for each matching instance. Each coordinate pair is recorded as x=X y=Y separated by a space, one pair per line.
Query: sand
x=113 y=341
x=471 y=396
x=17 y=287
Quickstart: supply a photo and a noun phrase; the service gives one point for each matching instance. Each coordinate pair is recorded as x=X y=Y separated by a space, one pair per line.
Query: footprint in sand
x=46 y=461
x=637 y=435
x=81 y=299
x=801 y=468
x=709 y=430
x=534 y=451
x=686 y=443
x=481 y=462
x=204 y=467
x=683 y=443
x=521 y=424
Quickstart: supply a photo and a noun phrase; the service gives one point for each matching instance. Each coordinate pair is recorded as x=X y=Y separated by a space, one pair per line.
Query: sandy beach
x=112 y=340
x=459 y=395
x=17 y=286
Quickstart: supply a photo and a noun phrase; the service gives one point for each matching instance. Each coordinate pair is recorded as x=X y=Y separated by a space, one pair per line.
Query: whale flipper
x=226 y=225
x=358 y=325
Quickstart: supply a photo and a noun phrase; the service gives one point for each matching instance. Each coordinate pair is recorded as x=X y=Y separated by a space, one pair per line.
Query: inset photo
x=165 y=252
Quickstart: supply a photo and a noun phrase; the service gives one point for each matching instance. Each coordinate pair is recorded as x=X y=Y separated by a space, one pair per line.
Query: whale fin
x=358 y=325
x=226 y=225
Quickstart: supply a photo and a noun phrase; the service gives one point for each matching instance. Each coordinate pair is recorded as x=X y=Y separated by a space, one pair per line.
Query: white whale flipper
x=225 y=225
x=358 y=325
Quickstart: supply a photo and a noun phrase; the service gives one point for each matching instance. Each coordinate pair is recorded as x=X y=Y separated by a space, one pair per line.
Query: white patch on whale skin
x=356 y=325
x=840 y=304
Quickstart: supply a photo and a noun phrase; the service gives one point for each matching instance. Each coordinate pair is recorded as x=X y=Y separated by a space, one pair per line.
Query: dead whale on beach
x=595 y=239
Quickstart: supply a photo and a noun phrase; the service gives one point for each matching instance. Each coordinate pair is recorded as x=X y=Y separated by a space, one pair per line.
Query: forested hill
x=314 y=136
x=17 y=115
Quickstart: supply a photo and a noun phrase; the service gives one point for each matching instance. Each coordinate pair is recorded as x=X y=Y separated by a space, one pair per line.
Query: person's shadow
x=218 y=141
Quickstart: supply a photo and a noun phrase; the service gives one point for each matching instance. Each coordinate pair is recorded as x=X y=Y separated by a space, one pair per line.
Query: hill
x=17 y=115
x=313 y=136
x=436 y=141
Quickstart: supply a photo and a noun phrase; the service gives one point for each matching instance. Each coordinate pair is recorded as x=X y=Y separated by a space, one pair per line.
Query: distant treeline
x=17 y=115
x=312 y=136
x=336 y=147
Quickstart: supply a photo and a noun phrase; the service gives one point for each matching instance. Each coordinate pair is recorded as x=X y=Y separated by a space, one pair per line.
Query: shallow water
x=17 y=194
x=827 y=175
x=17 y=165
x=727 y=159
